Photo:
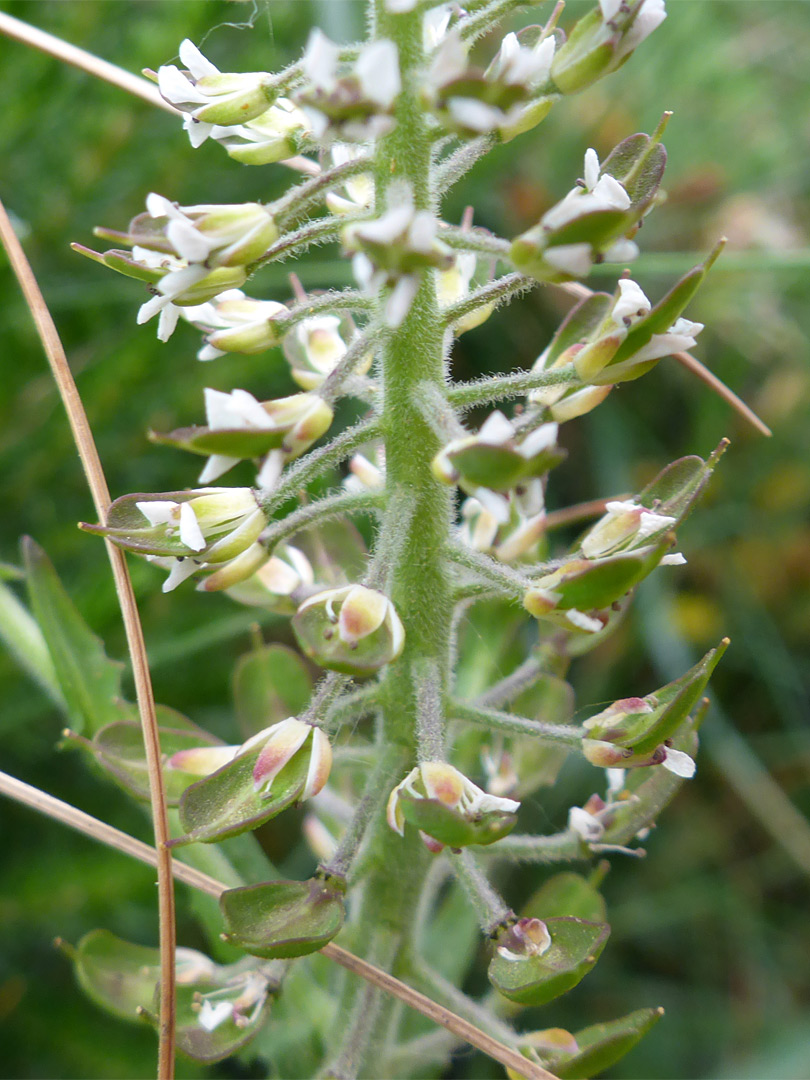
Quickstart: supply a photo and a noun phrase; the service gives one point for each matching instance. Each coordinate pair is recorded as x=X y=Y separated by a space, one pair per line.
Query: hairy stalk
x=319 y=512
x=500 y=387
x=559 y=734
x=419 y=589
x=91 y=463
x=479 y=240
x=497 y=292
x=317 y=462
x=490 y=909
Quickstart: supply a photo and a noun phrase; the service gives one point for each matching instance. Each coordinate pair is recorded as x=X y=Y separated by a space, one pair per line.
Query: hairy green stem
x=558 y=734
x=490 y=909
x=318 y=512
x=497 y=292
x=500 y=387
x=418 y=584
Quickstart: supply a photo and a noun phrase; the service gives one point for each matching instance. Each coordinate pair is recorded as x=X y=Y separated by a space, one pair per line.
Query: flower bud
x=625 y=526
x=314 y=347
x=234 y=322
x=280 y=744
x=354 y=629
x=602 y=40
x=448 y=808
x=217 y=235
x=214 y=524
x=498 y=459
x=523 y=940
x=208 y=96
x=278 y=581
x=536 y=961
x=276 y=134
x=352 y=103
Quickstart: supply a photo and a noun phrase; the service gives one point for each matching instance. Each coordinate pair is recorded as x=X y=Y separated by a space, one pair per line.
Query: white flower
x=247 y=991
x=631 y=305
x=226 y=412
x=680 y=337
x=517 y=65
x=234 y=323
x=585 y=824
x=599 y=193
x=438 y=780
x=434 y=25
x=652 y=14
x=626 y=522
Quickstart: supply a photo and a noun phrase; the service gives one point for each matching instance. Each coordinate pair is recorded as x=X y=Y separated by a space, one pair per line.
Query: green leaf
x=281 y=919
x=601 y=1045
x=226 y=804
x=269 y=684
x=26 y=643
x=119 y=750
x=575 y=948
x=566 y=894
x=89 y=681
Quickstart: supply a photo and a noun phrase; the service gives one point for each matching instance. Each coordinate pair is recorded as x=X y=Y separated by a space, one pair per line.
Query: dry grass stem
x=85 y=444
x=23 y=32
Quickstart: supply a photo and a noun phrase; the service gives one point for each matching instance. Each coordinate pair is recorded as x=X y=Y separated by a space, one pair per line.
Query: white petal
x=158 y=512
x=399 y=302
x=188 y=241
x=250 y=412
x=496 y=429
x=320 y=59
x=591 y=169
x=216 y=466
x=587 y=826
x=623 y=251
x=615 y=781
x=190 y=531
x=495 y=504
x=197 y=64
x=168 y=321
x=158 y=206
x=209 y=352
x=176 y=88
x=611 y=193
x=150 y=308
x=180 y=570
x=679 y=763
x=632 y=302
x=540 y=439
x=650 y=523
x=270 y=470
x=377 y=68
x=610 y=9
x=399 y=7
x=198 y=131
x=211 y=1016
x=475 y=115
x=180 y=281
x=583 y=621
x=422 y=232
x=677 y=558
x=573 y=259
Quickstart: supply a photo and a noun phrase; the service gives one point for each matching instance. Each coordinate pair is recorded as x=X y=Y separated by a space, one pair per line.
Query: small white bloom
x=615 y=783
x=434 y=25
x=652 y=14
x=631 y=305
x=585 y=825
x=622 y=251
x=680 y=337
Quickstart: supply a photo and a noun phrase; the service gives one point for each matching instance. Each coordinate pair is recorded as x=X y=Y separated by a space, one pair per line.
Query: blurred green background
x=713 y=924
